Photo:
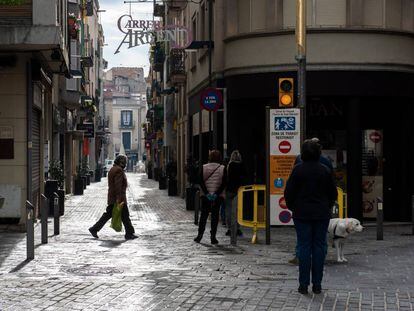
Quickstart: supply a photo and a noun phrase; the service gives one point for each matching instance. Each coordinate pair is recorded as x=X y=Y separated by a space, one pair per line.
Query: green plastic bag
x=116 y=222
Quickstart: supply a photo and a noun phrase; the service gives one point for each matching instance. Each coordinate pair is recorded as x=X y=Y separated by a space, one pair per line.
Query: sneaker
x=303 y=289
x=228 y=233
x=197 y=239
x=94 y=233
x=130 y=237
x=316 y=289
x=214 y=241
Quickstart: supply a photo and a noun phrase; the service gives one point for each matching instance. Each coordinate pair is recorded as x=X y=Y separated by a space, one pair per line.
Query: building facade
x=360 y=59
x=42 y=77
x=125 y=110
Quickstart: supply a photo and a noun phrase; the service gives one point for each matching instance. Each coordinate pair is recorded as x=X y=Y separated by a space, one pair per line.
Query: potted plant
x=56 y=173
x=73 y=26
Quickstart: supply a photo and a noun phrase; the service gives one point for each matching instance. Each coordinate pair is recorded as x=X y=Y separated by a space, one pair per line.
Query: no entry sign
x=211 y=99
x=375 y=137
x=285 y=147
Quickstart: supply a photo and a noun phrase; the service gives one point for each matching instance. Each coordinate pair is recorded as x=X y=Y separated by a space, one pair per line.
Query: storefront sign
x=88 y=129
x=284 y=148
x=140 y=32
x=211 y=99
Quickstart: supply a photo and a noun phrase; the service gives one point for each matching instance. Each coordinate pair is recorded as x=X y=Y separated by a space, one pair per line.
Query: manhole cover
x=91 y=270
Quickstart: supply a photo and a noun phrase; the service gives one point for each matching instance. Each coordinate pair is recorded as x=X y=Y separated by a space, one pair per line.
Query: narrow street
x=165 y=269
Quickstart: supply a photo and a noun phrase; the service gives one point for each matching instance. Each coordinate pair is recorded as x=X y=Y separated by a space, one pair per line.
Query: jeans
x=129 y=229
x=208 y=207
x=311 y=249
x=231 y=199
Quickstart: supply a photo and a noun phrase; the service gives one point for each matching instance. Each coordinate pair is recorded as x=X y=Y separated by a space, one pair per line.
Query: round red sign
x=375 y=137
x=285 y=146
x=282 y=203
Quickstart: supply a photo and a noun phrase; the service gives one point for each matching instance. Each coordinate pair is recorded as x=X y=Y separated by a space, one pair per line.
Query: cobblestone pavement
x=165 y=270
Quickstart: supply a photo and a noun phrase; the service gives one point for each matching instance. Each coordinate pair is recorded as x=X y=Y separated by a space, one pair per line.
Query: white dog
x=339 y=229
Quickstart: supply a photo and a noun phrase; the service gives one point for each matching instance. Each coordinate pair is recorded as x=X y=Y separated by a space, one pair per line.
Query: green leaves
x=12 y=2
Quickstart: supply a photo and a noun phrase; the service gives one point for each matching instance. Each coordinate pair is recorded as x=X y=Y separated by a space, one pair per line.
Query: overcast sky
x=134 y=57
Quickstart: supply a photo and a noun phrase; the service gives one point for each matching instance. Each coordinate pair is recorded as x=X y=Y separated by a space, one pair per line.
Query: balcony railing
x=123 y=125
x=177 y=65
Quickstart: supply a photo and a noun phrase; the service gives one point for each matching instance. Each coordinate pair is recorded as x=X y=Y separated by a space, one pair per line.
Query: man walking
x=117 y=185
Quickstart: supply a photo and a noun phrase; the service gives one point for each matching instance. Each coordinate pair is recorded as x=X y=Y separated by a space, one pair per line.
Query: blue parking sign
x=285 y=123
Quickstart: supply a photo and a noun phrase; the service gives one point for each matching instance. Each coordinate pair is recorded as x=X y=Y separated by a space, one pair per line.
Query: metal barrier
x=56 y=213
x=29 y=230
x=258 y=218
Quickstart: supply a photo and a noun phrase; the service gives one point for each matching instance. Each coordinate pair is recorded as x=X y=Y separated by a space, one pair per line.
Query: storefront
x=363 y=120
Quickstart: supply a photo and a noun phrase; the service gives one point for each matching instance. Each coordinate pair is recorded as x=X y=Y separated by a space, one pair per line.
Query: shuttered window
x=373 y=13
x=36 y=156
x=330 y=12
x=16 y=14
x=289 y=14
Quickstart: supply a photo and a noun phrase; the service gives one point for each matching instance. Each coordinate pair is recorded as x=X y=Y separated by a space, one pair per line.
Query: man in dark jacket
x=117 y=185
x=310 y=194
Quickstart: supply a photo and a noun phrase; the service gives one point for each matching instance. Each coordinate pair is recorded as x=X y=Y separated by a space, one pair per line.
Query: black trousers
x=208 y=207
x=129 y=229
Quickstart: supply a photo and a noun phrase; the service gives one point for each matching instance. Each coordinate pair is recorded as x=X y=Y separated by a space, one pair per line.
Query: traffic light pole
x=301 y=58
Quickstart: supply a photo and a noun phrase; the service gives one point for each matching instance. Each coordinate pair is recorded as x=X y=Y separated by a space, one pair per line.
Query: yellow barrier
x=342 y=208
x=259 y=210
x=258 y=220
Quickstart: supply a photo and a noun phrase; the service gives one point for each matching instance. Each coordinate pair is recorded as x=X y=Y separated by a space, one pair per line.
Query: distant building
x=125 y=108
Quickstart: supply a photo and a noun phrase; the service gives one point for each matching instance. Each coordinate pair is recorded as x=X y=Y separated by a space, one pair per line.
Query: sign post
x=268 y=206
x=284 y=137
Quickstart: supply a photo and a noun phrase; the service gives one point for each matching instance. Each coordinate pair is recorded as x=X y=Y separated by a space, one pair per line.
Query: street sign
x=211 y=99
x=88 y=128
x=284 y=144
x=285 y=147
x=285 y=131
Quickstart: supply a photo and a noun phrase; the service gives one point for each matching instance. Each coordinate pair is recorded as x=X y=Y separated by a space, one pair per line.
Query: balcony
x=87 y=61
x=176 y=5
x=159 y=10
x=177 y=66
x=40 y=28
x=123 y=125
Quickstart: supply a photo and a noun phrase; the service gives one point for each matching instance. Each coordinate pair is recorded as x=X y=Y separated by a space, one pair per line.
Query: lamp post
x=301 y=58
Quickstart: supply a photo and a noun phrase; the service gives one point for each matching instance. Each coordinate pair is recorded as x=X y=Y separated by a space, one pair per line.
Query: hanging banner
x=284 y=146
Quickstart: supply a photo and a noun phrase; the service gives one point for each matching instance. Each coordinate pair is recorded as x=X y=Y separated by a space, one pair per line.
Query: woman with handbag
x=212 y=184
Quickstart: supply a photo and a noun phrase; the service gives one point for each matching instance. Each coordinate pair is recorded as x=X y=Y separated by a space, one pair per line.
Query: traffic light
x=286 y=93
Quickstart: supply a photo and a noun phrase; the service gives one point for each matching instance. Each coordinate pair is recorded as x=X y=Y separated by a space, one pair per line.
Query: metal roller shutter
x=36 y=157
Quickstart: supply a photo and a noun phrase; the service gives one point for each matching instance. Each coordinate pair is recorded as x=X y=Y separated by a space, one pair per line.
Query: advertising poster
x=284 y=148
x=372 y=171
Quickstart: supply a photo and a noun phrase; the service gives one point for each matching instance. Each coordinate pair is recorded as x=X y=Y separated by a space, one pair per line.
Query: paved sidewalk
x=165 y=270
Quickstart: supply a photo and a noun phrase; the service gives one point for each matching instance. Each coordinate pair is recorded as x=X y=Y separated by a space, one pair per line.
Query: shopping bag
x=116 y=222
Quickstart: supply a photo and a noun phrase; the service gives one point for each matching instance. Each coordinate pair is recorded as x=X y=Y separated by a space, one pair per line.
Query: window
x=126 y=140
x=203 y=19
x=126 y=117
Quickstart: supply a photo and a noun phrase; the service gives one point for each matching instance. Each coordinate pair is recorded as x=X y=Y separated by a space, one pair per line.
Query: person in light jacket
x=212 y=183
x=310 y=194
x=117 y=185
